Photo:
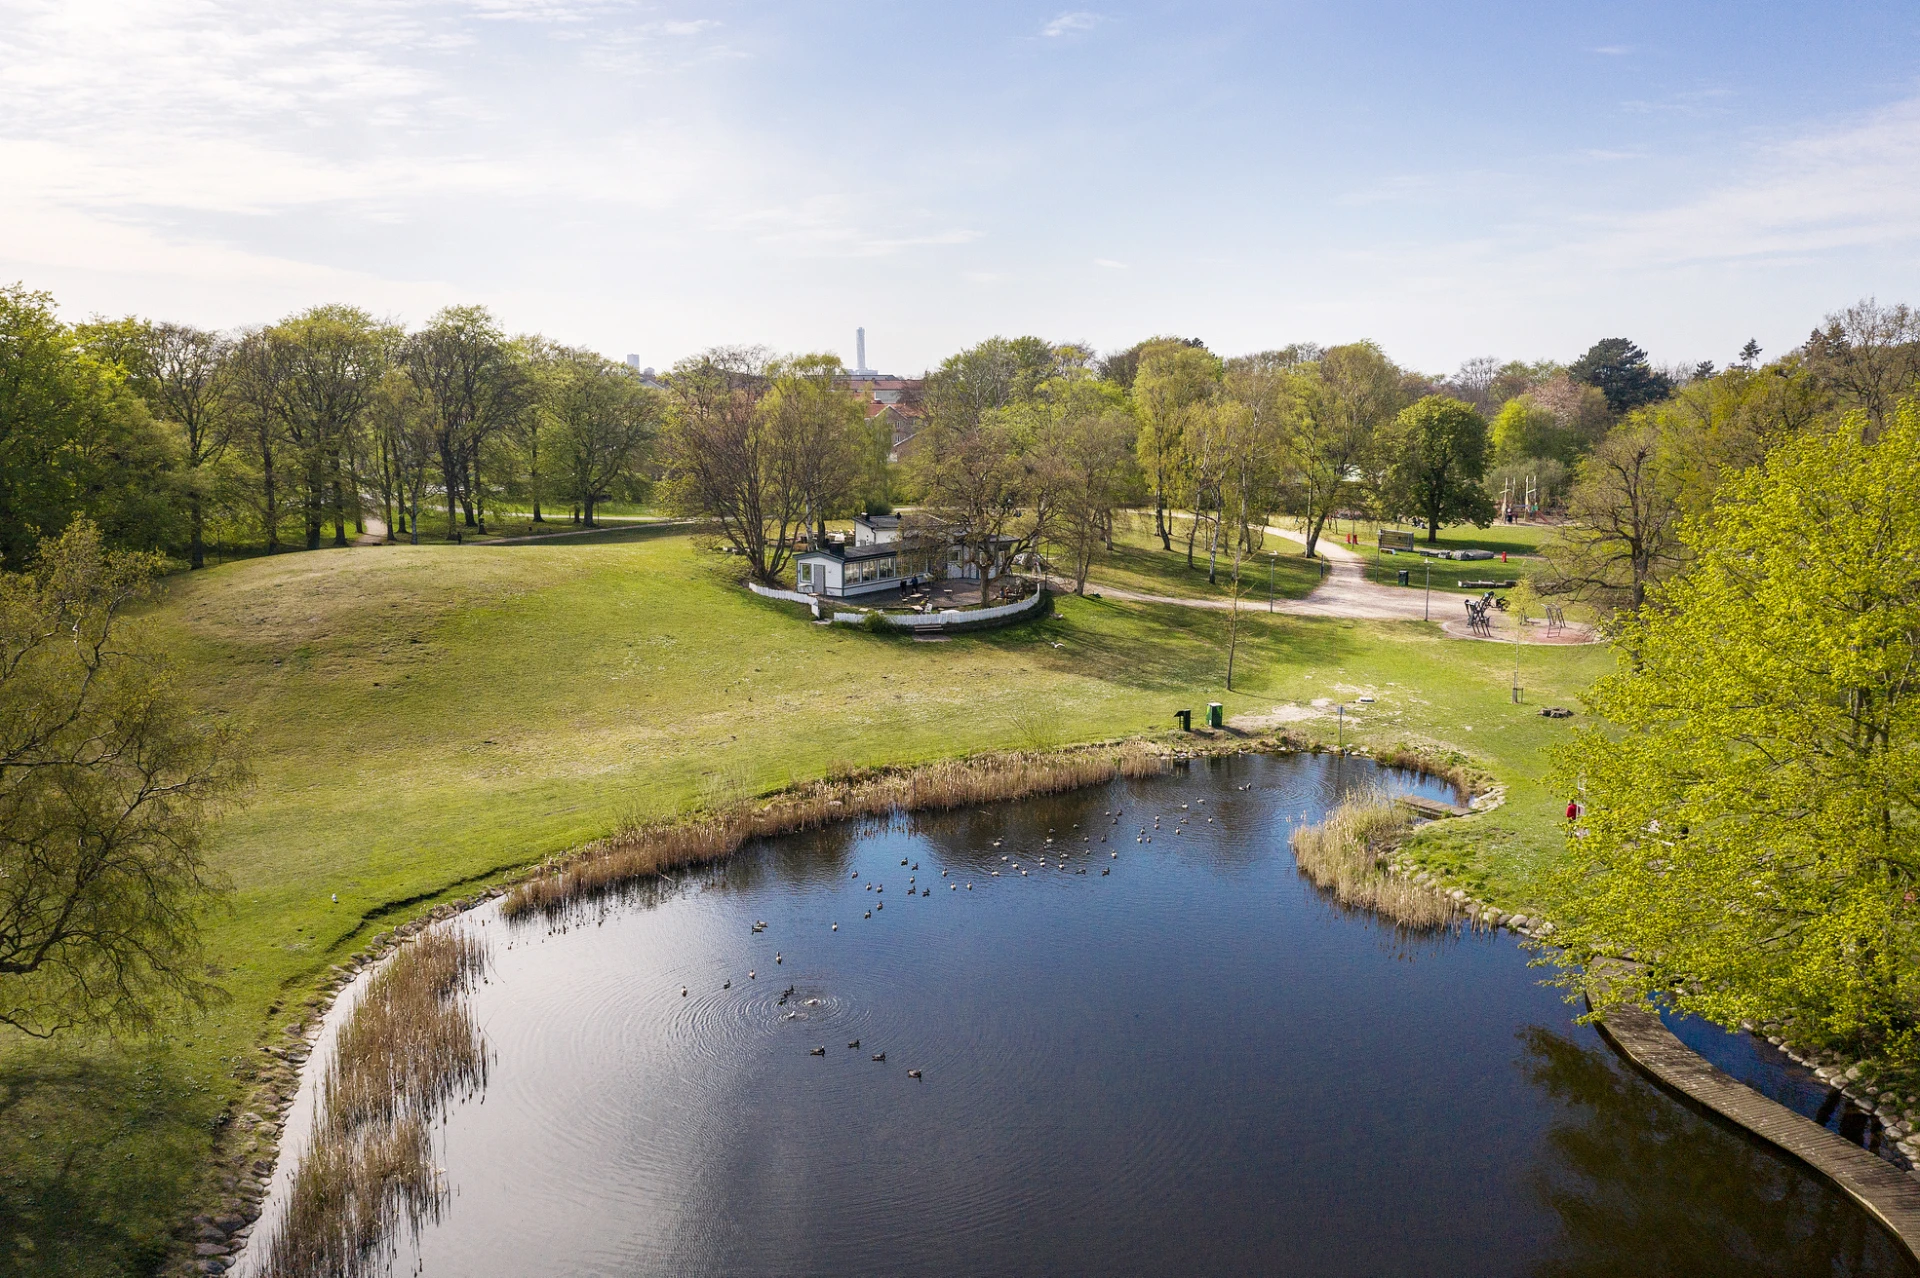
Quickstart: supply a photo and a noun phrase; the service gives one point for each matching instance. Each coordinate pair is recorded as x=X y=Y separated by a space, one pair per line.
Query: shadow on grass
x=1166 y=648
x=99 y=1145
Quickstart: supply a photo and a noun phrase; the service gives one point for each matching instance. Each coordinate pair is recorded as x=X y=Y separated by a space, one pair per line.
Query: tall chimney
x=860 y=346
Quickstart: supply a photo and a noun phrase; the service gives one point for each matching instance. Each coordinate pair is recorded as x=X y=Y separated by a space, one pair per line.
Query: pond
x=1180 y=1059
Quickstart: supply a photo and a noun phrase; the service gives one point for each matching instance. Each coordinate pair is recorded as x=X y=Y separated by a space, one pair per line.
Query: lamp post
x=1273 y=557
x=1427 y=564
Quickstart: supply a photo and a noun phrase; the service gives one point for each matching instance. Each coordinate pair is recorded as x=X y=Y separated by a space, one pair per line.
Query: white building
x=878 y=560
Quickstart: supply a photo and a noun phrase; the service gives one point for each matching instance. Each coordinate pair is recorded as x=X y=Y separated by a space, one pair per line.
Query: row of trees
x=166 y=435
x=1665 y=461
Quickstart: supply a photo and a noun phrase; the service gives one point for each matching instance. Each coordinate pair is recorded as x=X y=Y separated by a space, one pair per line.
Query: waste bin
x=1186 y=719
x=1403 y=575
x=1215 y=716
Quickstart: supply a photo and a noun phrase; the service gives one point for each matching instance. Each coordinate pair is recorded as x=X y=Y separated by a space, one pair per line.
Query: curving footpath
x=1347 y=593
x=1890 y=1195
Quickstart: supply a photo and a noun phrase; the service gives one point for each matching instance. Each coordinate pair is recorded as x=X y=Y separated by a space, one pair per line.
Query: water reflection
x=1195 y=1065
x=1643 y=1185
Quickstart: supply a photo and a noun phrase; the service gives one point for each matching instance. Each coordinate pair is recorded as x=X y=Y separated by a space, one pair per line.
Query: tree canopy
x=1752 y=824
x=1620 y=371
x=106 y=780
x=1436 y=456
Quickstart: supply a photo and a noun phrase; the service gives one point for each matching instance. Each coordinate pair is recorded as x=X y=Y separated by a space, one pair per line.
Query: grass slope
x=1137 y=563
x=422 y=719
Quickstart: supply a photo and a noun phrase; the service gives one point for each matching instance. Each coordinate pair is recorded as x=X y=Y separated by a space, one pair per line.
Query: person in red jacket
x=1573 y=809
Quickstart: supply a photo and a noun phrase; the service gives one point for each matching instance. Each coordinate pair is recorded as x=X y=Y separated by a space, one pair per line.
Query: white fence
x=791 y=596
x=952 y=618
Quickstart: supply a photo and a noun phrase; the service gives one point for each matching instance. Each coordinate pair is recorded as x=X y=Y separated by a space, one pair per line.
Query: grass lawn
x=1137 y=563
x=424 y=719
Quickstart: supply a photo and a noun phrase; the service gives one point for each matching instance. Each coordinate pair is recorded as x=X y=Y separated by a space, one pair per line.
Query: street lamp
x=1427 y=564
x=1273 y=557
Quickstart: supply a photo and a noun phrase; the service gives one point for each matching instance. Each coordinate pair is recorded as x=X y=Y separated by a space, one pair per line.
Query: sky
x=1450 y=180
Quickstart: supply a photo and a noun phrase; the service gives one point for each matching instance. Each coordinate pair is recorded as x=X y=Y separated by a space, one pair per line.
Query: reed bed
x=409 y=1046
x=1347 y=855
x=610 y=865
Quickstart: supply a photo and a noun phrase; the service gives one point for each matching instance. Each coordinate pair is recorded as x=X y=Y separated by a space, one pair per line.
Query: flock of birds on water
x=1059 y=860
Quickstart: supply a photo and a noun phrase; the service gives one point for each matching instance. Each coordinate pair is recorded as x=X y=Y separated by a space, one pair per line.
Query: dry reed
x=1347 y=855
x=409 y=1045
x=611 y=864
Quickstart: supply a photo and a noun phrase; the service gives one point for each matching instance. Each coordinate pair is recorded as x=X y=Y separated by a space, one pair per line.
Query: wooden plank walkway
x=1890 y=1195
x=1432 y=808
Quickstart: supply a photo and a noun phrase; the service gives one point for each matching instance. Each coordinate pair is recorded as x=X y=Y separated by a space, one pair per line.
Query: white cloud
x=1614 y=50
x=1109 y=264
x=1075 y=23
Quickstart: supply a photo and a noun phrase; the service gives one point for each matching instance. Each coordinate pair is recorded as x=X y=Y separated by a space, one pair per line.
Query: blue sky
x=1452 y=181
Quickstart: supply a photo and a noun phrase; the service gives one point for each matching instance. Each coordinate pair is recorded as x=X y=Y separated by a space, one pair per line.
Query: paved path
x=1346 y=592
x=1890 y=1195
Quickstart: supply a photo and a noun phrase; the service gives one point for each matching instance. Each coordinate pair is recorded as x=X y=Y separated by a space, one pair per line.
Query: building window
x=806 y=574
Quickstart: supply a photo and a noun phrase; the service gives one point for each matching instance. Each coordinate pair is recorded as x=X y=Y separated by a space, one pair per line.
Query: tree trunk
x=1193 y=531
x=1160 y=523
x=272 y=497
x=453 y=486
x=196 y=543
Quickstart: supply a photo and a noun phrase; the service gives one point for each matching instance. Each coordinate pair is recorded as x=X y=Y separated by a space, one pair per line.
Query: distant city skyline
x=1499 y=179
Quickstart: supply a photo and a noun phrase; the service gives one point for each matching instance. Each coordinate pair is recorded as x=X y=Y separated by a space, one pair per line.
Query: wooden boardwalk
x=1430 y=808
x=1890 y=1195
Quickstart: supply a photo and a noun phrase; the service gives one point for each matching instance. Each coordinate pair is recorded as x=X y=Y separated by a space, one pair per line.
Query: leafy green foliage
x=1751 y=833
x=73 y=440
x=105 y=782
x=1436 y=456
x=1621 y=372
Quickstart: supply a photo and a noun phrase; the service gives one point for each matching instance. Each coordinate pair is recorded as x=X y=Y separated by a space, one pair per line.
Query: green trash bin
x=1216 y=717
x=1403 y=576
x=1186 y=719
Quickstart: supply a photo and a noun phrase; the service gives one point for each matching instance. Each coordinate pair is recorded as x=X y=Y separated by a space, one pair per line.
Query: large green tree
x=1619 y=369
x=1752 y=824
x=73 y=438
x=1436 y=456
x=106 y=779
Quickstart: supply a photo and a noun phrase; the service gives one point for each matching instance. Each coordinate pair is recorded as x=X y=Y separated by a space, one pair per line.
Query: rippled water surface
x=1191 y=1065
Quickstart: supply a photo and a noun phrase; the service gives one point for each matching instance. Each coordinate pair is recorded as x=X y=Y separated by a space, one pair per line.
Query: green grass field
x=1138 y=563
x=423 y=720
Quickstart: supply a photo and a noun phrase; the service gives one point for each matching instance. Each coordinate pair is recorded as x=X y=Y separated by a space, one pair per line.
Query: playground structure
x=1530 y=496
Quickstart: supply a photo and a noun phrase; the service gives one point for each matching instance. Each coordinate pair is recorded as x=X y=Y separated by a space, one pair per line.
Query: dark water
x=1193 y=1065
x=1772 y=1073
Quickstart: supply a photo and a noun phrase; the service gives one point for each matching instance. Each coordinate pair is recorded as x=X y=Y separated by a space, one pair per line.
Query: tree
x=602 y=419
x=1122 y=367
x=1624 y=520
x=106 y=782
x=1175 y=379
x=1096 y=456
x=1621 y=372
x=183 y=373
x=1336 y=405
x=821 y=438
x=724 y=464
x=73 y=438
x=1437 y=456
x=475 y=387
x=307 y=380
x=1523 y=429
x=981 y=491
x=406 y=445
x=1867 y=357
x=1752 y=792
